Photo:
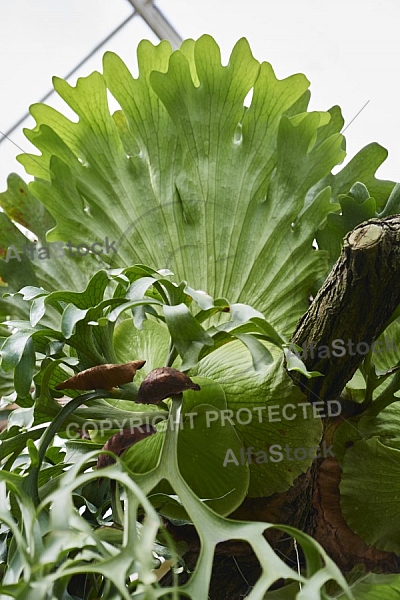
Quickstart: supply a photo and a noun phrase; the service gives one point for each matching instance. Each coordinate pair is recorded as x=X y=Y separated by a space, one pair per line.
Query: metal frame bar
x=152 y=16
x=157 y=22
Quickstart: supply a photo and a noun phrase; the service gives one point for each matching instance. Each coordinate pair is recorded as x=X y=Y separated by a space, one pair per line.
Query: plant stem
x=31 y=482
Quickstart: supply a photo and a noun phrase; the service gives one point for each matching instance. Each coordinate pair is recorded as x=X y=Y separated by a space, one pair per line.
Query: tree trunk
x=349 y=312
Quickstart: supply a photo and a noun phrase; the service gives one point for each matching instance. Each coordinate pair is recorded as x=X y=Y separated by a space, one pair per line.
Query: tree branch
x=351 y=309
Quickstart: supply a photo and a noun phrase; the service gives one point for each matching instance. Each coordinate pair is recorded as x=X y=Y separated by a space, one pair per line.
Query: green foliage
x=232 y=195
x=171 y=331
x=209 y=193
x=52 y=543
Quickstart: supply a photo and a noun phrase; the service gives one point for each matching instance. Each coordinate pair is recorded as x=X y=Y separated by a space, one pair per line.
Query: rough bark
x=354 y=304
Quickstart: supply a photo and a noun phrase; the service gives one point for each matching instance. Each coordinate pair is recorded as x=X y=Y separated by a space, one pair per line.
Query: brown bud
x=121 y=441
x=102 y=377
x=162 y=383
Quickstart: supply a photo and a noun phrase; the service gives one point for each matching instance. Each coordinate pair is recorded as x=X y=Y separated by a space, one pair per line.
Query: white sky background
x=349 y=50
